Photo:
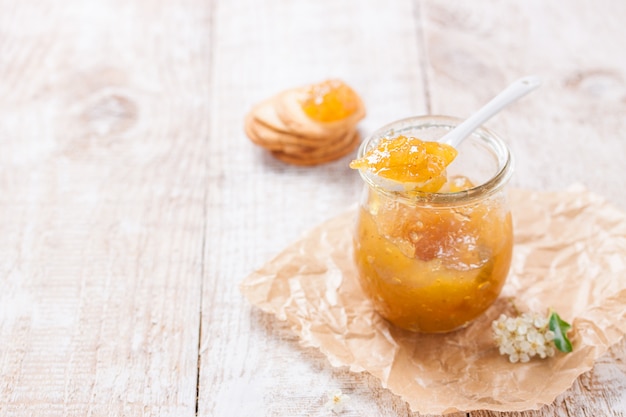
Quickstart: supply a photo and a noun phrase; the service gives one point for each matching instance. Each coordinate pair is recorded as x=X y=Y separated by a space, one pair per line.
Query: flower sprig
x=337 y=401
x=529 y=335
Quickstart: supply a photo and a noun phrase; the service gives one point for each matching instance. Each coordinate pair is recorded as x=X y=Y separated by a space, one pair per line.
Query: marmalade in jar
x=435 y=257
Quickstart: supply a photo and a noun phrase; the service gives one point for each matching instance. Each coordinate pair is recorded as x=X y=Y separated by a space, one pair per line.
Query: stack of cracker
x=281 y=125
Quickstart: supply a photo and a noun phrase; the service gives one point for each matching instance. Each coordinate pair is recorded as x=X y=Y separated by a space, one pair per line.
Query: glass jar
x=433 y=262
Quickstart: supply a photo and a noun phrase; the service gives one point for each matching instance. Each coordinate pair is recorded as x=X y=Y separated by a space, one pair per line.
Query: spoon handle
x=513 y=92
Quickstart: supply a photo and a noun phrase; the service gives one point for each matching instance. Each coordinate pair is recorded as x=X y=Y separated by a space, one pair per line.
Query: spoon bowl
x=455 y=137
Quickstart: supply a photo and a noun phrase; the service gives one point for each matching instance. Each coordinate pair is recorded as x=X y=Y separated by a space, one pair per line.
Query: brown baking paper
x=569 y=255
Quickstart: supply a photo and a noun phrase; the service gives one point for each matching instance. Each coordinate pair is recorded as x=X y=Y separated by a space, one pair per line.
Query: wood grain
x=103 y=135
x=132 y=204
x=258 y=205
x=566 y=132
x=266 y=371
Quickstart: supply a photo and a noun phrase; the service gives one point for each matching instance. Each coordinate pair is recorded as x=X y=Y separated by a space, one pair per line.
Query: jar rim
x=478 y=192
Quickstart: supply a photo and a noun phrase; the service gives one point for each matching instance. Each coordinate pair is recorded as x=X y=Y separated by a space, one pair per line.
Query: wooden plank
x=103 y=125
x=571 y=130
x=571 y=126
x=250 y=363
x=126 y=178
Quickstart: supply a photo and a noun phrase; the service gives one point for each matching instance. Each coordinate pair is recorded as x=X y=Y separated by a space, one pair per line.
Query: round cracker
x=276 y=136
x=307 y=152
x=271 y=139
x=250 y=128
x=288 y=107
x=317 y=159
x=265 y=112
x=329 y=148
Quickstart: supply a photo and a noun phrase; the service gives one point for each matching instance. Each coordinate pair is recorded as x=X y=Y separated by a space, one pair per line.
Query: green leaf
x=560 y=329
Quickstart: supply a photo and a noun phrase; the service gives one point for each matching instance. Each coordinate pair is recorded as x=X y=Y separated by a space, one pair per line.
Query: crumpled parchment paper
x=569 y=255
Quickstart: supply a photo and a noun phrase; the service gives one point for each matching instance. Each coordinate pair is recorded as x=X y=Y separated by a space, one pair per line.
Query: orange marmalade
x=330 y=101
x=435 y=260
x=409 y=160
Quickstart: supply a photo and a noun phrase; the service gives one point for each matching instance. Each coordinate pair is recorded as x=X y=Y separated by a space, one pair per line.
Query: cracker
x=265 y=112
x=276 y=136
x=256 y=137
x=330 y=148
x=280 y=125
x=317 y=159
x=289 y=110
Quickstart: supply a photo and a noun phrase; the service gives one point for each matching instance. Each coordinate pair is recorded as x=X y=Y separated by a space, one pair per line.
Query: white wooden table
x=132 y=204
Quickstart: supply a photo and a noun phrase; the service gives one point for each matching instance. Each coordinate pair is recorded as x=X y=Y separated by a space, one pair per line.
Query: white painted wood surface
x=132 y=204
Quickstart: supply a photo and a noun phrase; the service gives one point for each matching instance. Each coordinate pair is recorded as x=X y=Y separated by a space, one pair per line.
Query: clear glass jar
x=433 y=262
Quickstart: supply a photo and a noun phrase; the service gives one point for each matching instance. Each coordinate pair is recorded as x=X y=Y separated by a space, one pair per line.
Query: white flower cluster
x=337 y=401
x=523 y=337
